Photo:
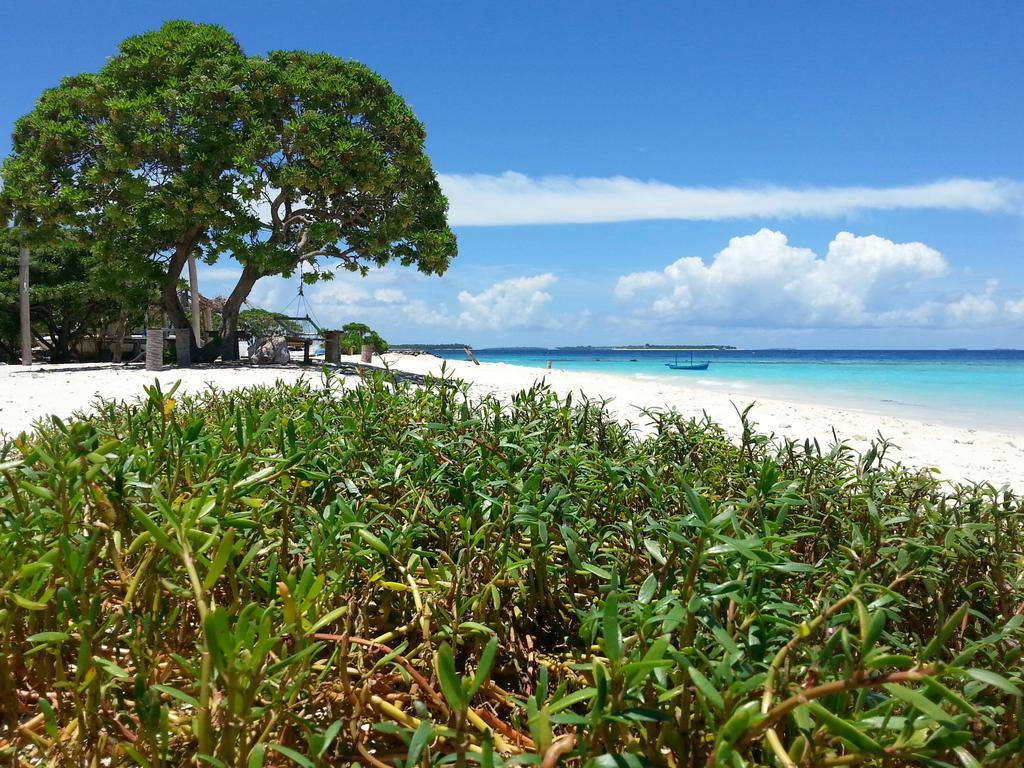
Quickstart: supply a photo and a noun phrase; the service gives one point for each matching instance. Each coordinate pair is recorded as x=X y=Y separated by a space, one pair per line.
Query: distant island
x=675 y=347
x=427 y=347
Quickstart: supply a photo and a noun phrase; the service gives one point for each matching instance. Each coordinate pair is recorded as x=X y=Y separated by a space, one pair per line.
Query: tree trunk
x=169 y=292
x=117 y=343
x=228 y=348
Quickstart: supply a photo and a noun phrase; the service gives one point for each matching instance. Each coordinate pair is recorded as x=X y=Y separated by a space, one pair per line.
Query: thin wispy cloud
x=514 y=199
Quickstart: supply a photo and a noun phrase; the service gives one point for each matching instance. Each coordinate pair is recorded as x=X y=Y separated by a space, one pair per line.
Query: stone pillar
x=367 y=353
x=332 y=347
x=154 y=349
x=183 y=346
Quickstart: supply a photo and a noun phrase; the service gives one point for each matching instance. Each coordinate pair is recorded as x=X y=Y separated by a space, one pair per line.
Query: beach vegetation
x=355 y=335
x=183 y=145
x=398 y=576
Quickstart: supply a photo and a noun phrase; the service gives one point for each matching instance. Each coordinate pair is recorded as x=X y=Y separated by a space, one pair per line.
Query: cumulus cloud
x=515 y=199
x=763 y=280
x=514 y=303
x=422 y=313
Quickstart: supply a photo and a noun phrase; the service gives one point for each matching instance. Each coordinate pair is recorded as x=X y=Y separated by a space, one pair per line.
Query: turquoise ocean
x=972 y=388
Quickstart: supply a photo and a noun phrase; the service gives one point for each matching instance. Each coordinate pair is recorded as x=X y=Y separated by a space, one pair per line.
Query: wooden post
x=182 y=347
x=470 y=355
x=366 y=353
x=26 y=312
x=155 y=340
x=332 y=347
x=193 y=281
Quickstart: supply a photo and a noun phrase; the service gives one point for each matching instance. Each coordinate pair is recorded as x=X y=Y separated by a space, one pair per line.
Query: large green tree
x=182 y=145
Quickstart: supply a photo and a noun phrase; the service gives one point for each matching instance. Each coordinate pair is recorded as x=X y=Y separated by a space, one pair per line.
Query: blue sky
x=663 y=172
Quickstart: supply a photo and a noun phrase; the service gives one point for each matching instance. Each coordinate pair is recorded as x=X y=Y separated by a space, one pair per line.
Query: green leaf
x=48 y=637
x=174 y=693
x=28 y=605
x=584 y=694
x=483 y=669
x=647 y=589
x=945 y=632
x=292 y=755
x=597 y=571
x=375 y=544
x=741 y=719
x=995 y=680
x=328 y=618
x=966 y=758
x=845 y=730
x=705 y=686
x=950 y=696
x=220 y=559
x=921 y=703
x=420 y=739
x=611 y=631
x=451 y=683
x=256 y=756
x=155 y=531
x=725 y=640
x=872 y=631
x=654 y=550
x=111 y=668
x=330 y=735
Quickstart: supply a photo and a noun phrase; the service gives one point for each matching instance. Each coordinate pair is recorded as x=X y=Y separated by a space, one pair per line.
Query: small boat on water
x=692 y=366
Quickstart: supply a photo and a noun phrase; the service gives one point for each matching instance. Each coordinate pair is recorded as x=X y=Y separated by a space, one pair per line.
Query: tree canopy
x=71 y=296
x=183 y=145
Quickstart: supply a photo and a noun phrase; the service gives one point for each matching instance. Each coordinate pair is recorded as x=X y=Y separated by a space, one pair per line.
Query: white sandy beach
x=959 y=453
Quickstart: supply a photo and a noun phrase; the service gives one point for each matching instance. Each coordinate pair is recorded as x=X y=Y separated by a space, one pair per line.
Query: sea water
x=974 y=388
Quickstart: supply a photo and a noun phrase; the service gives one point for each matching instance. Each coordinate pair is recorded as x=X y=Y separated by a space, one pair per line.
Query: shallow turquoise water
x=982 y=388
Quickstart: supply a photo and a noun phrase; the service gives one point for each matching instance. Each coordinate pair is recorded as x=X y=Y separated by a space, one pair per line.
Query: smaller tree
x=256 y=322
x=354 y=335
x=72 y=297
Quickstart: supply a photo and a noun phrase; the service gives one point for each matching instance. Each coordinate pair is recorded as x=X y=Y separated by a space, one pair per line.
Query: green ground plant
x=404 y=576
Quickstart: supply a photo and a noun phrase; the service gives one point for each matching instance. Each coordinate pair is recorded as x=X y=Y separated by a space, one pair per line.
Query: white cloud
x=513 y=303
x=974 y=308
x=215 y=274
x=512 y=199
x=389 y=296
x=420 y=312
x=337 y=292
x=1015 y=308
x=762 y=280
